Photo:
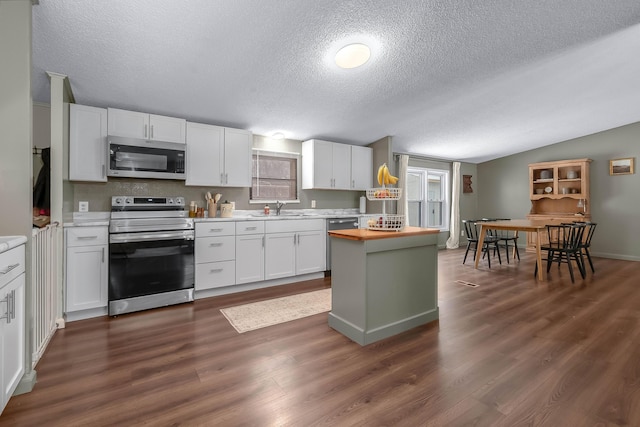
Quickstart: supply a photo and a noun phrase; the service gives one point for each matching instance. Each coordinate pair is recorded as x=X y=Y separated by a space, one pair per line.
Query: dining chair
x=471 y=233
x=585 y=244
x=504 y=237
x=564 y=247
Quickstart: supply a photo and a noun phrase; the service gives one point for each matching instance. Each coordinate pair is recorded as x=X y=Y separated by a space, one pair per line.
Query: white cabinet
x=12 y=318
x=361 y=168
x=218 y=156
x=86 y=268
x=87 y=143
x=294 y=247
x=249 y=251
x=215 y=254
x=133 y=124
x=329 y=165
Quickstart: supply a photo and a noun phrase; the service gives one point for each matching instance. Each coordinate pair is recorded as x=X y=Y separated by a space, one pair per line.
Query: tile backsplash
x=99 y=194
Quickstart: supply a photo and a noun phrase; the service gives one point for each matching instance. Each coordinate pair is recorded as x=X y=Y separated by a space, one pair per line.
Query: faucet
x=279 y=206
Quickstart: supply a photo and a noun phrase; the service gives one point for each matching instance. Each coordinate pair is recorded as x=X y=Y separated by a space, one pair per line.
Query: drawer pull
x=214 y=245
x=215 y=230
x=11 y=267
x=215 y=270
x=251 y=228
x=86 y=237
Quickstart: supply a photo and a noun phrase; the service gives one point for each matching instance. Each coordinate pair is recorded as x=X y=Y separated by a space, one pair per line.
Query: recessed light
x=277 y=135
x=353 y=55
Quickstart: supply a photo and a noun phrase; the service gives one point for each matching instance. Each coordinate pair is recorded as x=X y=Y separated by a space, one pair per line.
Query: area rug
x=248 y=317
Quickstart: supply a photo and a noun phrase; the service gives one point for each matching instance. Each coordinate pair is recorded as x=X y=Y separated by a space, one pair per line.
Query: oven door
x=150 y=263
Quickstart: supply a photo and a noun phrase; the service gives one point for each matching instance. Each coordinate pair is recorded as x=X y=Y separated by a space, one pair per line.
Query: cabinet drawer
x=249 y=227
x=11 y=264
x=295 y=225
x=211 y=249
x=86 y=236
x=212 y=228
x=215 y=274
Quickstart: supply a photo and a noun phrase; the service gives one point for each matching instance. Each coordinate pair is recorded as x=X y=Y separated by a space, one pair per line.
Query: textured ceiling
x=462 y=80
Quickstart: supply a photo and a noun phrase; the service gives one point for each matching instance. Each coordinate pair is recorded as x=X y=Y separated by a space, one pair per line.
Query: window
x=274 y=176
x=428 y=197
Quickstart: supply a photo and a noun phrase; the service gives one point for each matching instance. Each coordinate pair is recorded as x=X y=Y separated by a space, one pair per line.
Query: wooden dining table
x=515 y=225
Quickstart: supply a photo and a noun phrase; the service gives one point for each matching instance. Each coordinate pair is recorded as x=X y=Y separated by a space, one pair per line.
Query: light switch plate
x=83 y=206
x=313 y=203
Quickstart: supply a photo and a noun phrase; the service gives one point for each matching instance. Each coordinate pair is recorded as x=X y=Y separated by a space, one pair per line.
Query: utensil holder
x=213 y=209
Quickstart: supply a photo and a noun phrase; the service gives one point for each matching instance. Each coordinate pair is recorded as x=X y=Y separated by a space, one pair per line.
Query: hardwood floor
x=511 y=351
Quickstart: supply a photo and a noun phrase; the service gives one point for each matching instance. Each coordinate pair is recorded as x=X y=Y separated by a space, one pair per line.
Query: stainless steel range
x=151 y=253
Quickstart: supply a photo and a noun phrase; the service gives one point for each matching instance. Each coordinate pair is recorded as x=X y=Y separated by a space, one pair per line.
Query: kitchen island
x=383 y=282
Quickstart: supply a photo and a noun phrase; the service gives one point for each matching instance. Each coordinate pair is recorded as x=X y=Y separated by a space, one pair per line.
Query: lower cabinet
x=237 y=252
x=12 y=317
x=87 y=271
x=294 y=247
x=215 y=255
x=249 y=251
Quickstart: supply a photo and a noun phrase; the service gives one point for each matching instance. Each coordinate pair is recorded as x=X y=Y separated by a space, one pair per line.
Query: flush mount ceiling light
x=277 y=135
x=353 y=55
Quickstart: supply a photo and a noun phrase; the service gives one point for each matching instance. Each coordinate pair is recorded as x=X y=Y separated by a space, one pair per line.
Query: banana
x=381 y=173
x=385 y=177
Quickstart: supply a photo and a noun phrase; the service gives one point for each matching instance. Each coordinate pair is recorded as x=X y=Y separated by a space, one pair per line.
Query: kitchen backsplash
x=99 y=194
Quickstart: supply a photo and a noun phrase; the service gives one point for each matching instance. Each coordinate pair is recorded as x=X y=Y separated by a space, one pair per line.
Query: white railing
x=46 y=264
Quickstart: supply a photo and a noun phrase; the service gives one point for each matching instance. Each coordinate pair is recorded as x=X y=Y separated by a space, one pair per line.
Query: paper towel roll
x=363 y=204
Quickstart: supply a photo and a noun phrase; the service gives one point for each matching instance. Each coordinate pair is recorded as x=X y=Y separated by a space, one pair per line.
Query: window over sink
x=274 y=176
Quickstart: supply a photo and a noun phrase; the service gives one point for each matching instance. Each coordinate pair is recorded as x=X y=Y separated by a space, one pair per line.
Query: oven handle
x=147 y=237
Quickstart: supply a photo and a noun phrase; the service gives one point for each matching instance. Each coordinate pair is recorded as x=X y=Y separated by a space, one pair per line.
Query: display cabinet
x=559 y=191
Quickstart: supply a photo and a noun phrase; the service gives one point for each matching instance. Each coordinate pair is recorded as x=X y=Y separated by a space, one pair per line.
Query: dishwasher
x=338 y=224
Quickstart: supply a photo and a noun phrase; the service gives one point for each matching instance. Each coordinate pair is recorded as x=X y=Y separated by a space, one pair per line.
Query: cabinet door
x=361 y=168
x=87 y=143
x=249 y=258
x=237 y=157
x=169 y=129
x=204 y=145
x=129 y=124
x=13 y=337
x=311 y=254
x=322 y=164
x=279 y=258
x=341 y=162
x=86 y=277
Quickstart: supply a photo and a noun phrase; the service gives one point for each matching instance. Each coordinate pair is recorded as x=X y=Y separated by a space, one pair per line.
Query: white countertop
x=97 y=219
x=10 y=242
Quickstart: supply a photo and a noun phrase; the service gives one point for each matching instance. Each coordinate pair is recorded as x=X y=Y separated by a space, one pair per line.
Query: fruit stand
x=385 y=221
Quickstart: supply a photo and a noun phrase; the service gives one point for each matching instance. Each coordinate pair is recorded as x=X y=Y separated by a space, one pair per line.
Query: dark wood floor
x=509 y=352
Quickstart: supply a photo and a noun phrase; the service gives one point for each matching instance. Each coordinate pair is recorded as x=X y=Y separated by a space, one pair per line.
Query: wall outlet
x=313 y=203
x=462 y=233
x=83 y=206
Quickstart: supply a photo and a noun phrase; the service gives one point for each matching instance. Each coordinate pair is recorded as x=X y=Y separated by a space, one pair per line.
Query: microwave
x=141 y=158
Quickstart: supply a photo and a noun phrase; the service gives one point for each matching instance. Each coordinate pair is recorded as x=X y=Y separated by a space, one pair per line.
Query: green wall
x=615 y=200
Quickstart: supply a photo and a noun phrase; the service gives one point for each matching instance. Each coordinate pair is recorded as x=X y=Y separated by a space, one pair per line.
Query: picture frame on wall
x=622 y=166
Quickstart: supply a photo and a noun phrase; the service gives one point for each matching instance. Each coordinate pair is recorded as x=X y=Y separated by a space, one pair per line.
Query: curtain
x=403 y=202
x=454 y=225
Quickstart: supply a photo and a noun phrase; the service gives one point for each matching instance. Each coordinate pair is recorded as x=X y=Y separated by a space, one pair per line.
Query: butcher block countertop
x=364 y=234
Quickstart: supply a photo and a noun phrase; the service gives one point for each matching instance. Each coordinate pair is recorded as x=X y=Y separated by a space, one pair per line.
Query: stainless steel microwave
x=140 y=158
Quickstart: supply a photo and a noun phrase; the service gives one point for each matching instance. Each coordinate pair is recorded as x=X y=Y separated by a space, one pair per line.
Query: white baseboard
x=207 y=293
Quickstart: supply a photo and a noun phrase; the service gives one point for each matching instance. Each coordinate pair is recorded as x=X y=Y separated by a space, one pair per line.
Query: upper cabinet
x=218 y=156
x=329 y=165
x=87 y=143
x=133 y=124
x=361 y=168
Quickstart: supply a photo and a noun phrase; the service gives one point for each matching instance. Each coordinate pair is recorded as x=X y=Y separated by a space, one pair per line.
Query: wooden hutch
x=559 y=191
